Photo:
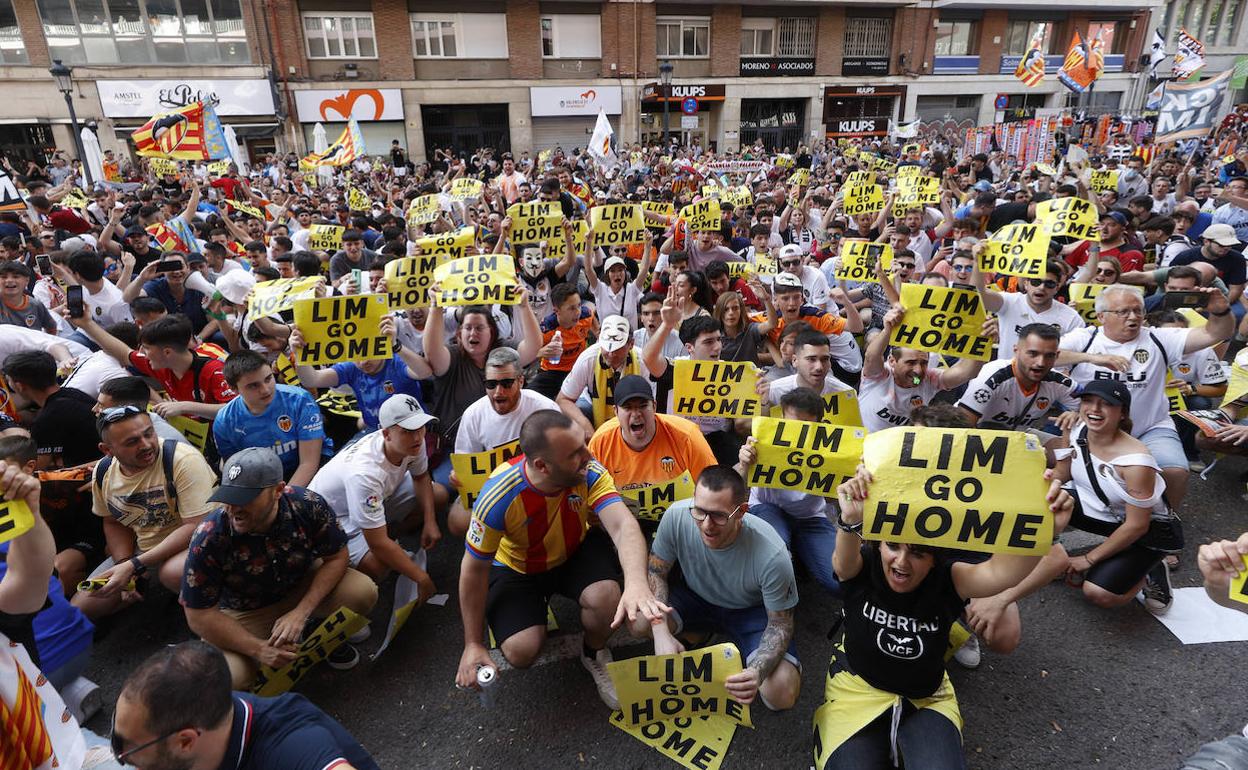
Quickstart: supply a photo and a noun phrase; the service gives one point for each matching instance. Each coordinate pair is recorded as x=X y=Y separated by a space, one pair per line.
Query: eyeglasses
x=1037 y=282
x=118 y=413
x=719 y=518
x=1131 y=312
x=504 y=384
x=117 y=742
x=963 y=268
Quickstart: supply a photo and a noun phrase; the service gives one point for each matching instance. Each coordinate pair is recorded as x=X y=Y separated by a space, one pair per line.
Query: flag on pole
x=1189 y=57
x=1155 y=97
x=1189 y=110
x=1030 y=68
x=600 y=141
x=346 y=148
x=1083 y=64
x=192 y=132
x=10 y=198
x=1157 y=54
x=904 y=130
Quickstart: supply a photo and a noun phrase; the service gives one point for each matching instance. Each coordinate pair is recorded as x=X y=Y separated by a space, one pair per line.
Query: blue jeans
x=812 y=539
x=1227 y=754
x=926 y=739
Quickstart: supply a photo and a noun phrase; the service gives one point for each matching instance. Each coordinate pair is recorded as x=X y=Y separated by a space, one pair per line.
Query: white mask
x=532 y=262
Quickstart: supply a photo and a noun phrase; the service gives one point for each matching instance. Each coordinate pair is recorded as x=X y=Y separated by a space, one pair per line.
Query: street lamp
x=665 y=77
x=64 y=77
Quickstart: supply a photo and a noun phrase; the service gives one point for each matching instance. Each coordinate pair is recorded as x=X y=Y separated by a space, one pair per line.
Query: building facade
x=525 y=75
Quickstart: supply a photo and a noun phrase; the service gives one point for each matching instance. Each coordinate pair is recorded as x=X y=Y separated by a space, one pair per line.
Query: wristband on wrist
x=1223 y=314
x=853 y=529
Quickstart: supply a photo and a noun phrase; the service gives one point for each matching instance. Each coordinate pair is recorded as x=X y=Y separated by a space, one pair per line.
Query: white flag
x=1189 y=57
x=1158 y=53
x=600 y=142
x=1156 y=96
x=904 y=130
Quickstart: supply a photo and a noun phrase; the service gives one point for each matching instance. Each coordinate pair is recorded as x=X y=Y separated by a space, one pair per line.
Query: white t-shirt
x=107 y=306
x=815 y=288
x=93 y=371
x=1200 y=368
x=885 y=404
x=481 y=428
x=672 y=347
x=845 y=351
x=1016 y=312
x=788 y=384
x=358 y=480
x=624 y=303
x=581 y=375
x=999 y=400
x=1148 y=373
x=14 y=339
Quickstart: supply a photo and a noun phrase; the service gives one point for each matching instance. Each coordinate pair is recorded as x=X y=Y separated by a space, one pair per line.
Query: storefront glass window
x=144 y=31
x=12 y=49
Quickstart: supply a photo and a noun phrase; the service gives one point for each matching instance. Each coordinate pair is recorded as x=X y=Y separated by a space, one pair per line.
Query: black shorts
x=517 y=601
x=1124 y=570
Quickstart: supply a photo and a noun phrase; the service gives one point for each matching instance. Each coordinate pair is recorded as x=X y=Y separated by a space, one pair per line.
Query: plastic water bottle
x=554 y=361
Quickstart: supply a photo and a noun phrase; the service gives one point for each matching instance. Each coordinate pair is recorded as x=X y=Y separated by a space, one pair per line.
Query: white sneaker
x=968 y=655
x=597 y=668
x=361 y=635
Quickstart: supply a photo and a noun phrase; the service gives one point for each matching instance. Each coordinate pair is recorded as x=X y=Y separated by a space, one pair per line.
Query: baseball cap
x=791 y=250
x=612 y=262
x=614 y=333
x=404 y=411
x=247 y=473
x=235 y=284
x=133 y=231
x=1221 y=234
x=787 y=280
x=632 y=386
x=1113 y=392
x=982 y=185
x=1117 y=216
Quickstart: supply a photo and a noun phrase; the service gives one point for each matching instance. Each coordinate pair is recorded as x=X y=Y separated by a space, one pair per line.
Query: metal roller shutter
x=566 y=132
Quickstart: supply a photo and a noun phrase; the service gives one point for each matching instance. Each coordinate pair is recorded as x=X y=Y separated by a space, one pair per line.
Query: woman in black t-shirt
x=887 y=691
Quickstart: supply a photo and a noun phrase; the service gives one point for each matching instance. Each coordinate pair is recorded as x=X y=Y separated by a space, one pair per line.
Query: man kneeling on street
x=736 y=577
x=271 y=557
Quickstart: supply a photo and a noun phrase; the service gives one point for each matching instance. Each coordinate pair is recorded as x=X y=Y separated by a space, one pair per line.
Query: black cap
x=632 y=386
x=1114 y=392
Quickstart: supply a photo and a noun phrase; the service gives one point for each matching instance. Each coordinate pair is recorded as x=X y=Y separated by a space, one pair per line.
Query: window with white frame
x=867 y=36
x=12 y=48
x=571 y=36
x=340 y=35
x=788 y=37
x=459 y=35
x=683 y=38
x=1018 y=35
x=758 y=37
x=955 y=37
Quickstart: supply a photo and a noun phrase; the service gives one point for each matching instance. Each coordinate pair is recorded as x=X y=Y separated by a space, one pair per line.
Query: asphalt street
x=1087 y=687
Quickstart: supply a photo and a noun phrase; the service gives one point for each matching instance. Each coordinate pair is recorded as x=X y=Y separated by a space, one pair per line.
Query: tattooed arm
x=771 y=648
x=656 y=577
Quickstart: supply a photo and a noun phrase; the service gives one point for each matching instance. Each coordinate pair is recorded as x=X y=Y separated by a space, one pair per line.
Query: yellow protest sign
x=1016 y=249
x=346 y=328
x=879 y=163
x=246 y=208
x=558 y=248
x=535 y=222
x=270 y=297
x=15 y=519
x=851 y=151
x=543 y=157
x=326 y=638
x=649 y=501
x=1174 y=396
x=859 y=258
x=408 y=280
x=653 y=688
x=1237 y=388
x=866 y=199
x=703 y=216
x=1046 y=169
x=423 y=210
x=1104 y=181
x=800 y=177
x=484 y=279
x=914 y=192
x=162 y=166
x=975 y=490
x=472 y=469
x=1068 y=218
x=1083 y=299
x=617 y=224
x=195 y=431
x=784 y=161
x=908 y=171
x=942 y=320
x=450 y=244
x=812 y=457
x=286 y=372
x=1194 y=319
x=715 y=388
x=467 y=189
x=839 y=408
x=357 y=200
x=710 y=191
x=763 y=265
x=1238 y=591
x=341 y=404
x=325 y=237
x=737 y=196
x=74 y=199
x=860 y=178
x=662 y=208
x=698 y=744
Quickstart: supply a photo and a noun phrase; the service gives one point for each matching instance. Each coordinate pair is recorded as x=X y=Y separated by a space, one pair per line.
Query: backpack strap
x=198 y=363
x=100 y=469
x=1091 y=339
x=1082 y=442
x=168 y=449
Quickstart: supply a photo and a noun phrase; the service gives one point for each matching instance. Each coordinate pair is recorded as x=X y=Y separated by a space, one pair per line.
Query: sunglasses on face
x=790 y=263
x=903 y=265
x=1046 y=283
x=118 y=413
x=504 y=384
x=963 y=268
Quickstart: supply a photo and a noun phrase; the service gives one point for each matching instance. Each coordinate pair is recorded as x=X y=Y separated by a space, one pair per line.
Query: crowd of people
x=169 y=440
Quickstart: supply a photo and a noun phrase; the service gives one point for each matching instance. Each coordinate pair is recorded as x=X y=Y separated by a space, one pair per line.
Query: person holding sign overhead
x=887 y=689
x=1032 y=305
x=736 y=577
x=531 y=537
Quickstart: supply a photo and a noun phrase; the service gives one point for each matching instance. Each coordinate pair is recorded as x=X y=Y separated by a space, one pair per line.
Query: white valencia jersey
x=1016 y=312
x=998 y=397
x=885 y=404
x=1150 y=356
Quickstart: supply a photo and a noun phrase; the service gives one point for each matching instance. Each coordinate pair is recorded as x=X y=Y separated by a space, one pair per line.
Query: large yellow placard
x=467 y=189
x=715 y=389
x=942 y=320
x=408 y=280
x=617 y=224
x=423 y=210
x=485 y=279
x=651 y=501
x=811 y=457
x=1068 y=218
x=703 y=216
x=1016 y=249
x=535 y=222
x=325 y=237
x=344 y=328
x=654 y=688
x=859 y=258
x=867 y=199
x=271 y=297
x=450 y=244
x=975 y=490
x=474 y=468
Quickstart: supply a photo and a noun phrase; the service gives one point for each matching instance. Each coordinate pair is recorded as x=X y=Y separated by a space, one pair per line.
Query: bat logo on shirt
x=903 y=647
x=284 y=423
x=1141 y=355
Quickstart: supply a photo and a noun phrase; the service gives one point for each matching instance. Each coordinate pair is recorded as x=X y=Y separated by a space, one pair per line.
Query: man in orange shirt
x=654 y=458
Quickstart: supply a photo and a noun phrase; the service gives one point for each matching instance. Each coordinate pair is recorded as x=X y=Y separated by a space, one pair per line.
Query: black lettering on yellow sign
x=715 y=389
x=408 y=281
x=535 y=222
x=650 y=502
x=698 y=743
x=342 y=329
x=473 y=469
x=942 y=320
x=663 y=687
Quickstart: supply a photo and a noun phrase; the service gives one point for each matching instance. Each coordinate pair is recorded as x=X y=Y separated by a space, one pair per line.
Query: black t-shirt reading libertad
x=897 y=641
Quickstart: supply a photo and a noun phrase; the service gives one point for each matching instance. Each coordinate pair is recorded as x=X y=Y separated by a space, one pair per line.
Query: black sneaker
x=344 y=657
x=1157 y=590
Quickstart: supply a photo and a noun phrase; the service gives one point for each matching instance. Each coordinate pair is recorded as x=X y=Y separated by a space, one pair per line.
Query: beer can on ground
x=487 y=679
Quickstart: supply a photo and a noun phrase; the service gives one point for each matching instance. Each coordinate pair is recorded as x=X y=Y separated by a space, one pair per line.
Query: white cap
x=1223 y=235
x=786 y=279
x=613 y=262
x=614 y=333
x=405 y=411
x=235 y=284
x=790 y=250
